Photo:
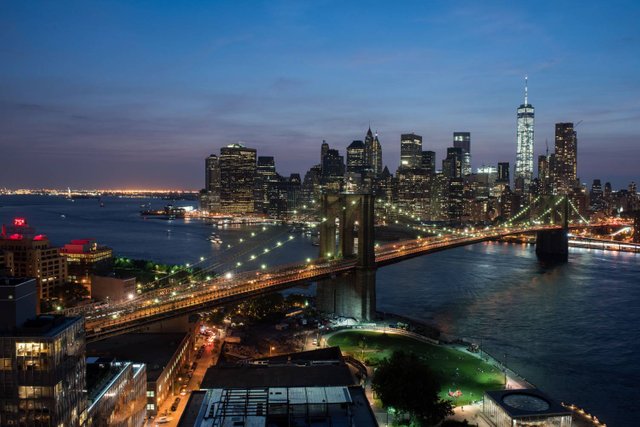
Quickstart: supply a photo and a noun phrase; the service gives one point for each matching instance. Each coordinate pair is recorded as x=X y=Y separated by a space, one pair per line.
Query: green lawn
x=457 y=370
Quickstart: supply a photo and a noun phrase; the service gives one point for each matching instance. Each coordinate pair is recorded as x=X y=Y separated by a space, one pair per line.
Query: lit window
x=151 y=393
x=151 y=407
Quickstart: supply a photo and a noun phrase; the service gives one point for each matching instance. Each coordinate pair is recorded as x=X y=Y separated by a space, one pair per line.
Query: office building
x=462 y=140
x=42 y=364
x=332 y=167
x=266 y=178
x=456 y=199
x=429 y=162
x=210 y=198
x=33 y=256
x=86 y=258
x=410 y=151
x=452 y=164
x=237 y=179
x=356 y=157
x=524 y=136
x=324 y=149
x=376 y=155
x=566 y=158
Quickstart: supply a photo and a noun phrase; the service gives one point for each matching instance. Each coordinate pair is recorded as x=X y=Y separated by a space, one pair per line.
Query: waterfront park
x=464 y=376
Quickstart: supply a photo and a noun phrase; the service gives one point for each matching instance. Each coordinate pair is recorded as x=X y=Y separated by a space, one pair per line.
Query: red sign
x=19 y=222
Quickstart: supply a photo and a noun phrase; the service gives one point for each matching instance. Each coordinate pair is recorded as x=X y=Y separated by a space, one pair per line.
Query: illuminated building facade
x=84 y=259
x=266 y=180
x=410 y=150
x=452 y=165
x=356 y=157
x=566 y=158
x=524 y=136
x=429 y=162
x=42 y=364
x=210 y=197
x=237 y=179
x=373 y=153
x=33 y=256
x=523 y=408
x=462 y=140
x=163 y=354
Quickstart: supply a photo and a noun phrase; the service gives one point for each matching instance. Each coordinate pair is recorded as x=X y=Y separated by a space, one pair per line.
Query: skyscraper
x=566 y=158
x=524 y=135
x=212 y=173
x=324 y=148
x=503 y=172
x=237 y=178
x=463 y=140
x=410 y=150
x=429 y=162
x=266 y=176
x=376 y=156
x=332 y=166
x=452 y=164
x=357 y=157
x=368 y=150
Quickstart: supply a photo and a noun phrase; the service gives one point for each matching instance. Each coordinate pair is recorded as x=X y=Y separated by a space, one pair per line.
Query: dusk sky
x=137 y=93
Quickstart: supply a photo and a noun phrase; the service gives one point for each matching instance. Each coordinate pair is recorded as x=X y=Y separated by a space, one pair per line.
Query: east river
x=572 y=330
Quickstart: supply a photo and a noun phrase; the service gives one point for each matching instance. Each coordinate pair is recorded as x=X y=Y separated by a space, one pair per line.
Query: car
x=173 y=408
x=175 y=402
x=163 y=420
x=183 y=391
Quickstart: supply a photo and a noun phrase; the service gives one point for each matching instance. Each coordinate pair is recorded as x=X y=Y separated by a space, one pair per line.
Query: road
x=209 y=358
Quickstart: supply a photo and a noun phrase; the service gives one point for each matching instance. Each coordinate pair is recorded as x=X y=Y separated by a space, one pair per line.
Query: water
x=572 y=330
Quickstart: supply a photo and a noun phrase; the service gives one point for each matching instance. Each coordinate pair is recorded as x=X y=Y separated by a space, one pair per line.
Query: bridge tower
x=345 y=217
x=552 y=246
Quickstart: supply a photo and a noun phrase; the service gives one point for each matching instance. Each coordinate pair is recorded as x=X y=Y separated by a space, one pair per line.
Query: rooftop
x=316 y=368
x=526 y=403
x=153 y=349
x=278 y=406
x=46 y=325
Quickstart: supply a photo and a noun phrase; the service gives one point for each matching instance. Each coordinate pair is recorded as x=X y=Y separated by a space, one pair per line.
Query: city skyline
x=151 y=105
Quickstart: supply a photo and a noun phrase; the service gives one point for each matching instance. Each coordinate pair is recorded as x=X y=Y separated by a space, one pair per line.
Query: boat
x=214 y=238
x=168 y=212
x=63 y=216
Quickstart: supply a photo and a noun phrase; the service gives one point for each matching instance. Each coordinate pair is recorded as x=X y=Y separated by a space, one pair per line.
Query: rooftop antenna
x=526 y=90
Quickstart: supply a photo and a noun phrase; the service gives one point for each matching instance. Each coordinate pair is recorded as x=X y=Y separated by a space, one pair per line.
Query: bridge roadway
x=117 y=318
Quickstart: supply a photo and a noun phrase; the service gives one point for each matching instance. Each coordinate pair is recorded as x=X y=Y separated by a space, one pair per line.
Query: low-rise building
x=523 y=407
x=86 y=258
x=307 y=388
x=112 y=289
x=163 y=354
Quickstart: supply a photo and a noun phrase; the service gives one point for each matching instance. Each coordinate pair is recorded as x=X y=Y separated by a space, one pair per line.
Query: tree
x=406 y=383
x=70 y=293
